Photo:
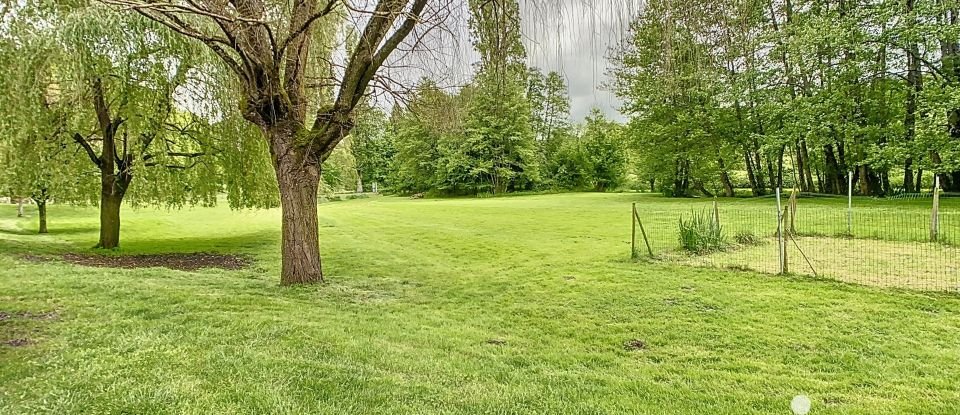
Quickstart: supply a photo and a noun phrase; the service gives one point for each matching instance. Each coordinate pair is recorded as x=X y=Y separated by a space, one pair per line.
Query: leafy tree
x=36 y=161
x=499 y=138
x=103 y=94
x=372 y=147
x=550 y=122
x=604 y=152
x=793 y=93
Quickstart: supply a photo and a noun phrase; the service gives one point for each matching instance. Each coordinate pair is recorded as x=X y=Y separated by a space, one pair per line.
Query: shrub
x=700 y=234
x=746 y=238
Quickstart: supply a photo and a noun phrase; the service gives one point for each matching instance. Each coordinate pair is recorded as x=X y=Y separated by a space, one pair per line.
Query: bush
x=700 y=234
x=746 y=238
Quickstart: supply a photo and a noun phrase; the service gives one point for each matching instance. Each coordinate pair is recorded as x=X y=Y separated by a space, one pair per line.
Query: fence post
x=935 y=213
x=716 y=214
x=850 y=203
x=633 y=231
x=792 y=204
x=779 y=232
x=786 y=259
x=643 y=232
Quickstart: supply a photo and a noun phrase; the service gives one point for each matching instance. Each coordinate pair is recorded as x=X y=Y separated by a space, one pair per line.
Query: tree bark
x=751 y=176
x=915 y=86
x=725 y=178
x=833 y=173
x=807 y=174
x=300 y=245
x=109 y=221
x=42 y=213
x=298 y=179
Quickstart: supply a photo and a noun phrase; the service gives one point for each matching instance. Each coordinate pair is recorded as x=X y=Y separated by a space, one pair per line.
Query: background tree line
x=768 y=93
x=508 y=130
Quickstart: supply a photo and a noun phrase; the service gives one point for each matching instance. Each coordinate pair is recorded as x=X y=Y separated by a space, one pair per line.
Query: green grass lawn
x=461 y=306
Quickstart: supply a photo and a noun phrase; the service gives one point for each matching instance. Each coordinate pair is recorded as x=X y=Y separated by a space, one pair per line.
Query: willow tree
x=110 y=82
x=276 y=51
x=37 y=162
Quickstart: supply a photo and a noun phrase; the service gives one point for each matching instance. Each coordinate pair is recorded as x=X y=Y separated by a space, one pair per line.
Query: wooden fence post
x=716 y=214
x=643 y=233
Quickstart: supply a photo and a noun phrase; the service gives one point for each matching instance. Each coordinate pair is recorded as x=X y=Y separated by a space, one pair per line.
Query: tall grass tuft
x=701 y=234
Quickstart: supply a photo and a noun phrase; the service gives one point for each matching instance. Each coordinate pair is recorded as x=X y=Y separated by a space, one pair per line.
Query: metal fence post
x=633 y=231
x=849 y=203
x=935 y=212
x=780 y=233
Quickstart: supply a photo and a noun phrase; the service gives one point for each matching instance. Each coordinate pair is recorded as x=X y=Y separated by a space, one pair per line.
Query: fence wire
x=880 y=244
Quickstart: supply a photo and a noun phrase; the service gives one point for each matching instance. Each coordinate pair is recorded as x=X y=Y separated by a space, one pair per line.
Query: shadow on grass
x=51 y=231
x=253 y=243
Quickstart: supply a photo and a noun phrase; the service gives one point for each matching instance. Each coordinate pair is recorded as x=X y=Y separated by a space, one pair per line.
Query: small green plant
x=746 y=238
x=700 y=234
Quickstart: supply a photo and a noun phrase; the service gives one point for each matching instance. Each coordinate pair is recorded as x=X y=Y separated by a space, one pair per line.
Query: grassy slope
x=418 y=287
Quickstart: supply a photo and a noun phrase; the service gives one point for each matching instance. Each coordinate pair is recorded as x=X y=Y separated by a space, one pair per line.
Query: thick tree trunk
x=109 y=220
x=772 y=176
x=915 y=83
x=834 y=182
x=298 y=179
x=681 y=178
x=755 y=189
x=807 y=171
x=908 y=176
x=42 y=213
x=725 y=178
x=300 y=244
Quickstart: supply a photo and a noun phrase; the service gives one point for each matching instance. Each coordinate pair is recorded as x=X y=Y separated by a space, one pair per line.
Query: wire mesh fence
x=893 y=244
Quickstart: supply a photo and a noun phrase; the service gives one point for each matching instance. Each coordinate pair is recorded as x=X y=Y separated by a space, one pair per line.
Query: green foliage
x=604 y=152
x=371 y=144
x=746 y=238
x=700 y=234
x=499 y=145
x=793 y=93
x=155 y=86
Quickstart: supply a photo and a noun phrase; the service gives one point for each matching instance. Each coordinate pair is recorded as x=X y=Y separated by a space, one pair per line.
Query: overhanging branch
x=86 y=147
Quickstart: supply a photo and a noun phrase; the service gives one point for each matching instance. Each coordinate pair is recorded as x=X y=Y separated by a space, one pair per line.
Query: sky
x=571 y=37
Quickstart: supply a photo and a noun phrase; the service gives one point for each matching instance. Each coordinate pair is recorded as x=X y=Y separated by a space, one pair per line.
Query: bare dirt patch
x=183 y=262
x=17 y=342
x=33 y=258
x=28 y=315
x=635 y=344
